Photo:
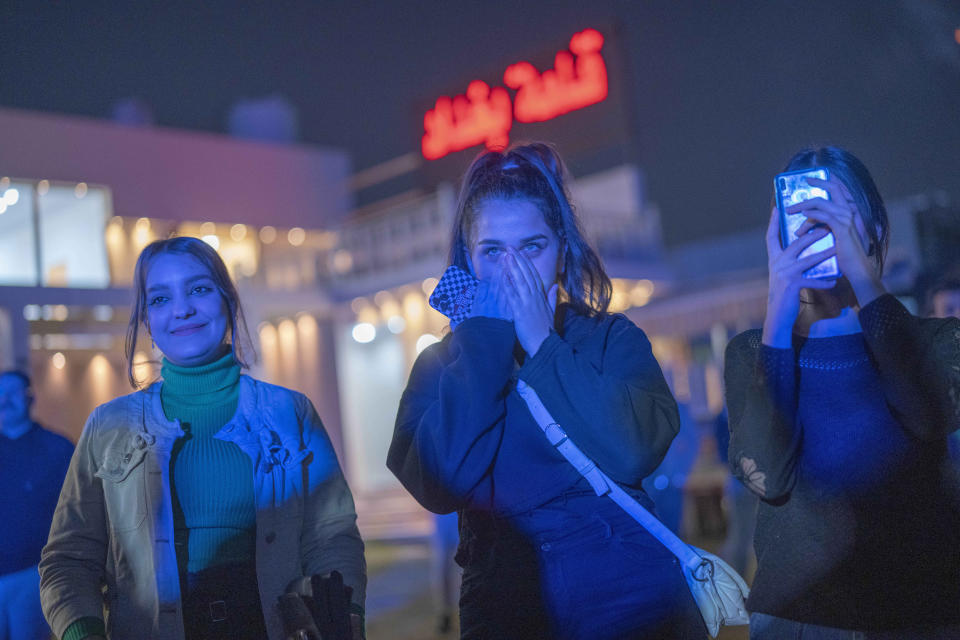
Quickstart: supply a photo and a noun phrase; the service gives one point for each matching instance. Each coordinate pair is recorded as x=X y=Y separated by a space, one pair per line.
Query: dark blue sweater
x=32 y=468
x=465 y=438
x=844 y=439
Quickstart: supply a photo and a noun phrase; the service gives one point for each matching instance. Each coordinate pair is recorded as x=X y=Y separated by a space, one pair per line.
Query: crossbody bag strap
x=601 y=482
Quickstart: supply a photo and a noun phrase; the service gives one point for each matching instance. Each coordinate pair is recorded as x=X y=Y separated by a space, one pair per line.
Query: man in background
x=945 y=298
x=33 y=463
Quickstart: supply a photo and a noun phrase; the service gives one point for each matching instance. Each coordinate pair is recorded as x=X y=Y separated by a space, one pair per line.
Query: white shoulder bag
x=718 y=590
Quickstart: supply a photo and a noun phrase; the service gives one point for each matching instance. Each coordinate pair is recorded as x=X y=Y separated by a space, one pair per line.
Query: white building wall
x=177 y=175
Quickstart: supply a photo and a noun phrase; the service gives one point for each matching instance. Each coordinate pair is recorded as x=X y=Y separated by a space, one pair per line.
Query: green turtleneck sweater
x=211 y=480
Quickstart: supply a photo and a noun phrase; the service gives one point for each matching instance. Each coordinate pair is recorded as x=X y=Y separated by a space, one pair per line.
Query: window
x=72 y=240
x=52 y=235
x=18 y=251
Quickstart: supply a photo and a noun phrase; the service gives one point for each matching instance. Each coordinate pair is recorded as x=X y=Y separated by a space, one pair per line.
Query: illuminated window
x=53 y=235
x=72 y=236
x=18 y=256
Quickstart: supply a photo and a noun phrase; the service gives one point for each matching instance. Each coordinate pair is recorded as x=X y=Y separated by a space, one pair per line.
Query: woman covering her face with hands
x=543 y=555
x=190 y=505
x=839 y=411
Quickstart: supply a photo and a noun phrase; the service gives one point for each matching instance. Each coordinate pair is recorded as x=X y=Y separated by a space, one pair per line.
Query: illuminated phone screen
x=792 y=188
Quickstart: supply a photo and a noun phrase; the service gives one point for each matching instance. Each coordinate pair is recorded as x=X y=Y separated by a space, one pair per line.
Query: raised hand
x=491 y=300
x=840 y=215
x=786 y=280
x=532 y=308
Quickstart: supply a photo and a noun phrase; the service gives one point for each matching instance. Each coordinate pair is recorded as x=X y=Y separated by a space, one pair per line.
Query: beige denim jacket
x=110 y=552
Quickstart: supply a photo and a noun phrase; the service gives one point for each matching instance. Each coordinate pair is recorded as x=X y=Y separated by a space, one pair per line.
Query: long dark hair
x=854 y=175
x=240 y=341
x=533 y=172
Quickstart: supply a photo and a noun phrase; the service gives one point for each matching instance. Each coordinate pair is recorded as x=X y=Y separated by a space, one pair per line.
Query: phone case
x=453 y=295
x=791 y=188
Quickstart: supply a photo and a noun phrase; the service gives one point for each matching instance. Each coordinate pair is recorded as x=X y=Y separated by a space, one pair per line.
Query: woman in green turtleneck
x=193 y=503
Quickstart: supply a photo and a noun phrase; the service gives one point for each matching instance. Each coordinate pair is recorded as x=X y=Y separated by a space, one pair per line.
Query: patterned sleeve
x=762 y=405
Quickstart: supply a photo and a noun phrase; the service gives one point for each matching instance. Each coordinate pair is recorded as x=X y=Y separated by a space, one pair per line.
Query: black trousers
x=222 y=603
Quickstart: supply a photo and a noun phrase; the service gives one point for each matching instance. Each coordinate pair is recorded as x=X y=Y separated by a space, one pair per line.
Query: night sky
x=723 y=93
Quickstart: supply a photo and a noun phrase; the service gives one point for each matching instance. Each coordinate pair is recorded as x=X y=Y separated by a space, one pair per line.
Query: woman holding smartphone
x=840 y=410
x=543 y=555
x=190 y=505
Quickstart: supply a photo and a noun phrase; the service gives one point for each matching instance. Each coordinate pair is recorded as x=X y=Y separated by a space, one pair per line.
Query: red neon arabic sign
x=485 y=116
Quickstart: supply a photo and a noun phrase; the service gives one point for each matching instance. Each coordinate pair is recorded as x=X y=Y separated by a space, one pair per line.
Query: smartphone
x=453 y=295
x=791 y=188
